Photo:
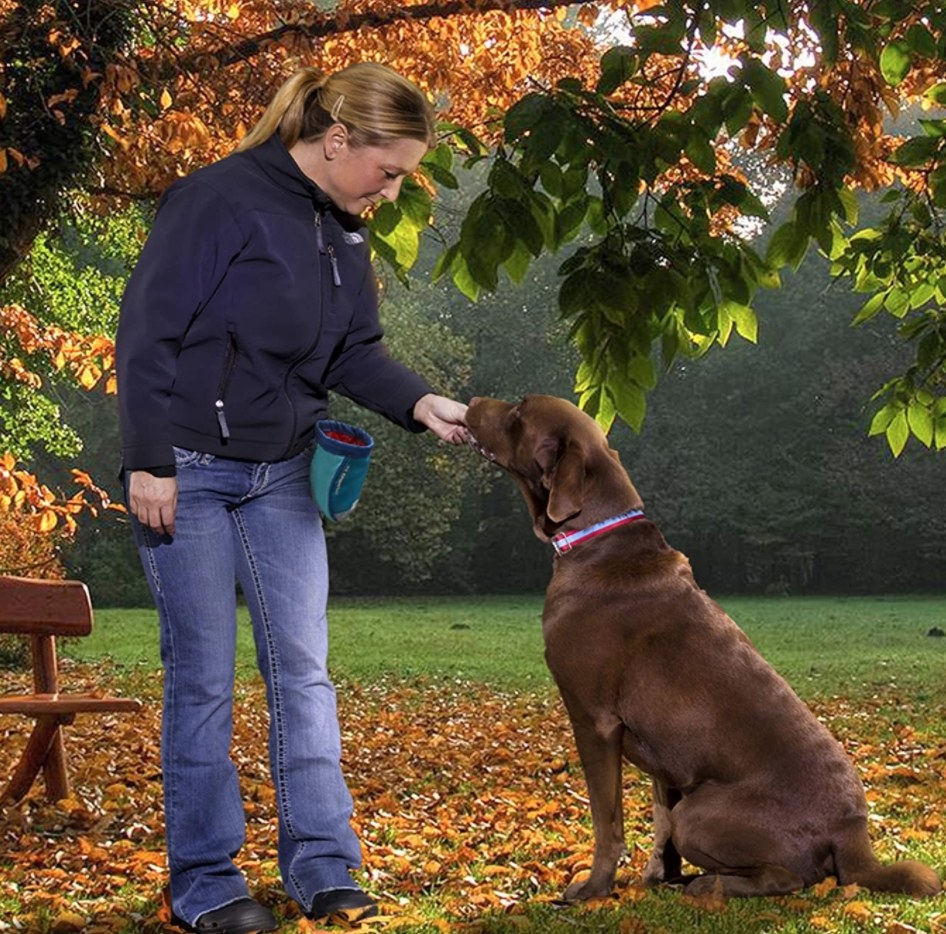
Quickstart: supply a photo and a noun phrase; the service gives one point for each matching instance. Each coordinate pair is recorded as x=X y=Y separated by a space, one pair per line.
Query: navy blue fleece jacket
x=253 y=297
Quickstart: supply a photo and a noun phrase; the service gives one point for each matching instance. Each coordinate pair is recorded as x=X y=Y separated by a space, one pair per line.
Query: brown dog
x=748 y=785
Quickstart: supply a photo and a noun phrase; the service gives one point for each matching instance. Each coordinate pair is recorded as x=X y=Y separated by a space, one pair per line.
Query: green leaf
x=521 y=224
x=573 y=293
x=940 y=435
x=725 y=325
x=915 y=152
x=937 y=182
x=605 y=411
x=443 y=177
x=895 y=62
x=659 y=39
x=464 y=139
x=568 y=221
x=898 y=433
x=643 y=371
x=920 y=41
x=882 y=419
x=850 y=204
x=445 y=262
x=618 y=64
x=787 y=246
x=536 y=124
x=463 y=280
x=747 y=324
x=934 y=128
x=414 y=203
x=707 y=109
x=707 y=26
x=921 y=293
x=768 y=88
x=920 y=420
x=614 y=297
x=896 y=301
x=487 y=246
x=551 y=177
x=517 y=264
x=630 y=401
x=869 y=309
x=937 y=94
x=396 y=227
x=699 y=151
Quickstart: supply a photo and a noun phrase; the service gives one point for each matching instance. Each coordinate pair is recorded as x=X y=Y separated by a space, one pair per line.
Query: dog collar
x=565 y=541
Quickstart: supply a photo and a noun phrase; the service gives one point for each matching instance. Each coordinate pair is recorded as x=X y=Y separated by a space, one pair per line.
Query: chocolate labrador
x=748 y=786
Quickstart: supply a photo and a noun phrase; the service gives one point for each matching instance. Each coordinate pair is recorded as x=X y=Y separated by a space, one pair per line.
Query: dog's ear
x=563 y=475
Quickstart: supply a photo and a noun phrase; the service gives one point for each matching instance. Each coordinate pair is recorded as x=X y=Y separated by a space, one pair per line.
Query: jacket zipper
x=326 y=249
x=222 y=386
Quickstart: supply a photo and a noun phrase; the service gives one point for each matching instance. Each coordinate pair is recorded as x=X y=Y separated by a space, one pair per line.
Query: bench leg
x=44 y=750
x=55 y=773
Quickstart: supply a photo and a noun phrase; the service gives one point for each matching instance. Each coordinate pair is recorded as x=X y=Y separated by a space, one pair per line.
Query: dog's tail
x=855 y=862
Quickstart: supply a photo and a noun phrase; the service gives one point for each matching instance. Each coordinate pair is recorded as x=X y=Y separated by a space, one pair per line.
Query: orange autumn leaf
x=859 y=911
x=825 y=887
x=86 y=357
x=404 y=787
x=46 y=521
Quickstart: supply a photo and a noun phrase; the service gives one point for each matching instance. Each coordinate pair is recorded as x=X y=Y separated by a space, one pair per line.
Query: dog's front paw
x=653 y=873
x=584 y=890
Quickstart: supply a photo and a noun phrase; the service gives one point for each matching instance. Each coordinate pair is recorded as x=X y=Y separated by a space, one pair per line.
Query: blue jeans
x=255 y=523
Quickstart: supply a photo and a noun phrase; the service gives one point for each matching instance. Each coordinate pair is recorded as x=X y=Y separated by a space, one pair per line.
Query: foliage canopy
x=640 y=139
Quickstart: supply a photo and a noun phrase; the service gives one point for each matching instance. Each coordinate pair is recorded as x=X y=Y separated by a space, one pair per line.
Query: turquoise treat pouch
x=339 y=467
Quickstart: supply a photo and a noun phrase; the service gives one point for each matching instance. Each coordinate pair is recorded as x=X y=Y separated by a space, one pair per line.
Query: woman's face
x=357 y=178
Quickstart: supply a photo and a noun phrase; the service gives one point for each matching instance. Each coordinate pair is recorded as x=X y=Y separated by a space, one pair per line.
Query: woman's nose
x=391 y=190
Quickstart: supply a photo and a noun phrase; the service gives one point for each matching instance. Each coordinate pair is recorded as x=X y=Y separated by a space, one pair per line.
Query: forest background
x=622 y=190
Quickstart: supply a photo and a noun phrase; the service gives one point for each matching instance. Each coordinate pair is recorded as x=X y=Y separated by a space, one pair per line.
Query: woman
x=253 y=297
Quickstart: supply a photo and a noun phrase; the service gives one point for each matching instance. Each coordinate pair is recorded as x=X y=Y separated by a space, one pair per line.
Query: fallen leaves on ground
x=468 y=801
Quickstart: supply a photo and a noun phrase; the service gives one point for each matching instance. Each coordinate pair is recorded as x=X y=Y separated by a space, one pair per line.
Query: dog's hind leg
x=599 y=747
x=664 y=864
x=726 y=833
x=759 y=880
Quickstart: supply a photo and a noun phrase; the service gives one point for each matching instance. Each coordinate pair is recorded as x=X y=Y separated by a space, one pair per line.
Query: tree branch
x=331 y=24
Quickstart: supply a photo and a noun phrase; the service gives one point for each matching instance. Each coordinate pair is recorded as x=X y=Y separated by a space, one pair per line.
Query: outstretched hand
x=446 y=418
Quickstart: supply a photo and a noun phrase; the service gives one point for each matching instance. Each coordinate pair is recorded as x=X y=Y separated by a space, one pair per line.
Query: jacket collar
x=276 y=162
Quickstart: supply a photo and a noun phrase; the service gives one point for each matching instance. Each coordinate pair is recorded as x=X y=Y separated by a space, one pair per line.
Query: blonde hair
x=373 y=102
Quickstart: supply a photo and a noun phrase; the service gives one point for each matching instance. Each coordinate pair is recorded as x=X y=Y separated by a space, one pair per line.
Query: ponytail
x=286 y=111
x=374 y=103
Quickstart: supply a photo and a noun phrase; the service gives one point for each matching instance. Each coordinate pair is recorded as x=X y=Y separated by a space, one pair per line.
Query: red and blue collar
x=566 y=541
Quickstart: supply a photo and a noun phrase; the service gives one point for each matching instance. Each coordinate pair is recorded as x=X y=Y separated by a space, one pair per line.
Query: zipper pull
x=336 y=278
x=222 y=420
x=318 y=232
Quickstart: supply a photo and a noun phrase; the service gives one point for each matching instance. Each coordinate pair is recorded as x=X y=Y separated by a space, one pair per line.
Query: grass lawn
x=470 y=802
x=852 y=646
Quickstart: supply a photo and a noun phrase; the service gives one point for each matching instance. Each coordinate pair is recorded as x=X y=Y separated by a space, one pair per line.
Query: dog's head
x=558 y=455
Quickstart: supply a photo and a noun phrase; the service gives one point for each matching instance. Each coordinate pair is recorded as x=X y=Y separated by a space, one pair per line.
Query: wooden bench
x=44 y=610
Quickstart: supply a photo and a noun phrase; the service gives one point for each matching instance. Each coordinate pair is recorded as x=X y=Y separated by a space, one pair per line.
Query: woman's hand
x=153 y=500
x=445 y=417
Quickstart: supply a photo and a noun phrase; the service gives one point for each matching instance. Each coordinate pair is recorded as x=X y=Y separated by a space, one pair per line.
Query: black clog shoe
x=244 y=916
x=342 y=905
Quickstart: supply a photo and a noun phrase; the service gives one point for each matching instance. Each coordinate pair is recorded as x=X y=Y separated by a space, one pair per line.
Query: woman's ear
x=335 y=139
